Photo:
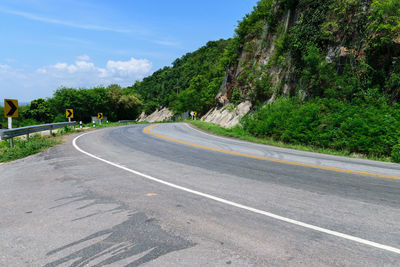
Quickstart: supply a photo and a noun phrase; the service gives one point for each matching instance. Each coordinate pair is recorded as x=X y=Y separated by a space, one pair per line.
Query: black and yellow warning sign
x=194 y=113
x=11 y=108
x=69 y=113
x=100 y=116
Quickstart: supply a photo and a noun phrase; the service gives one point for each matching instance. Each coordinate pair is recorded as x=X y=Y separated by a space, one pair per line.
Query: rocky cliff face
x=315 y=48
x=227 y=116
x=159 y=115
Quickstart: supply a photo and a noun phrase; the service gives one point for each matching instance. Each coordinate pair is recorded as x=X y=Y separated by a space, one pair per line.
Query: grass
x=37 y=143
x=24 y=148
x=238 y=133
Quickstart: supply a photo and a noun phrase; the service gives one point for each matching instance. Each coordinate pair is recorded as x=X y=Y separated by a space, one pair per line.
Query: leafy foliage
x=39 y=110
x=316 y=75
x=365 y=127
x=252 y=24
x=191 y=83
x=112 y=101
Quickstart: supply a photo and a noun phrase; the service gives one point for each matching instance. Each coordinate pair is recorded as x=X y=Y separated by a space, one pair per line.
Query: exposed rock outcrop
x=158 y=115
x=226 y=118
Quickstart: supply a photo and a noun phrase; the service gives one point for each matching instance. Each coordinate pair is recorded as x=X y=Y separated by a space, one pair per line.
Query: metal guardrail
x=126 y=121
x=10 y=133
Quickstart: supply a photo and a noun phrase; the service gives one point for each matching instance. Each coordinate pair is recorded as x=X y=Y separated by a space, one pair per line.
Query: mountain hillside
x=330 y=71
x=316 y=48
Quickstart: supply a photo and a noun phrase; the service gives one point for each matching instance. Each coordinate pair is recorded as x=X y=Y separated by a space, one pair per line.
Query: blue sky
x=46 y=44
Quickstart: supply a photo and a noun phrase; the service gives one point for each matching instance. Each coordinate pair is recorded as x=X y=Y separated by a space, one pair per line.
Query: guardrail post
x=27 y=136
x=51 y=129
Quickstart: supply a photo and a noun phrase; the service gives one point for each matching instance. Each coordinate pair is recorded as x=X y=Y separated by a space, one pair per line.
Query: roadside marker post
x=10 y=111
x=80 y=124
x=193 y=114
x=69 y=113
x=100 y=117
x=11 y=108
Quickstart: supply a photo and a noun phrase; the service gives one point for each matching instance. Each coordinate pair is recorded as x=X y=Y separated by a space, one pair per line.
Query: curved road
x=172 y=195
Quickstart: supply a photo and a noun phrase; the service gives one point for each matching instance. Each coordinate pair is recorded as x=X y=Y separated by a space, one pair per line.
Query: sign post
x=10 y=127
x=10 y=111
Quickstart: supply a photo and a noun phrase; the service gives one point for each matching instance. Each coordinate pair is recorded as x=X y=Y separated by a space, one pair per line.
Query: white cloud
x=4 y=67
x=168 y=43
x=128 y=68
x=10 y=60
x=82 y=73
x=62 y=22
x=83 y=58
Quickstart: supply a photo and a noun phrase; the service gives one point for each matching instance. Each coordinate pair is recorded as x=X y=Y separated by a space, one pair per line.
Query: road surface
x=171 y=195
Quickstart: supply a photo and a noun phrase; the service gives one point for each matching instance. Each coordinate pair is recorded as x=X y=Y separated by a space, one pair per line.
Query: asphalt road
x=174 y=196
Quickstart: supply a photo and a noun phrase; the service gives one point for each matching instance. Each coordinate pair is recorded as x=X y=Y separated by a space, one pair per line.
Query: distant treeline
x=113 y=101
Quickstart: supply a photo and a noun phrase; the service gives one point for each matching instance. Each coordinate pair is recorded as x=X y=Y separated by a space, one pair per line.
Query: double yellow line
x=148 y=131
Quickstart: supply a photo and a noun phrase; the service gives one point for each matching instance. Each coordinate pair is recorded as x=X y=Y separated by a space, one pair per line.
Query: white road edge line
x=240 y=206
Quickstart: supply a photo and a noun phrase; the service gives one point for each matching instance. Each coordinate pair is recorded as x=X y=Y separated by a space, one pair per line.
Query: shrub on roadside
x=396 y=153
x=366 y=128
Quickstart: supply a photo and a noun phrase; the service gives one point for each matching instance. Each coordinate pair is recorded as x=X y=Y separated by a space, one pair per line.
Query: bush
x=366 y=128
x=396 y=153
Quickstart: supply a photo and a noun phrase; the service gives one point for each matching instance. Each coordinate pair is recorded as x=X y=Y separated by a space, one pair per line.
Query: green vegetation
x=113 y=101
x=367 y=128
x=190 y=84
x=339 y=64
x=240 y=133
x=24 y=148
x=22 y=120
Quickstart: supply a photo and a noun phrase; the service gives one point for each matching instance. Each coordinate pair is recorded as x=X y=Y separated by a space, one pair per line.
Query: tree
x=317 y=72
x=39 y=110
x=123 y=106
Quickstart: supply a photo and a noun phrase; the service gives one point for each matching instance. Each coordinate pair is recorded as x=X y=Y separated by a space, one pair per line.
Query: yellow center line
x=147 y=130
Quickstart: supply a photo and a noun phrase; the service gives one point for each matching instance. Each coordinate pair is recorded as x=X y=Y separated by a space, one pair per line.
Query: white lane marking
x=223 y=138
x=240 y=206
